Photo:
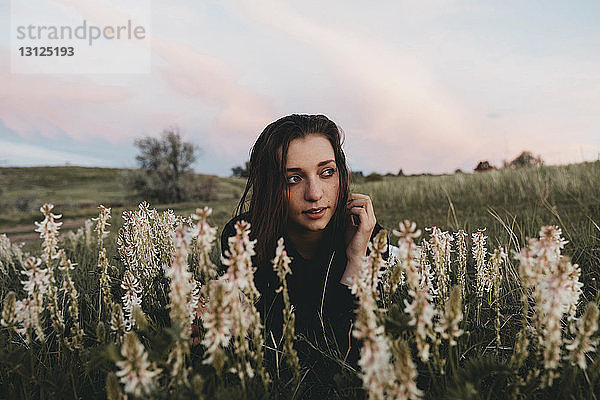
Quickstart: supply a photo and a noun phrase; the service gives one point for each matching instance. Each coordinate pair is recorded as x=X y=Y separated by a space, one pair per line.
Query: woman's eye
x=328 y=172
x=293 y=179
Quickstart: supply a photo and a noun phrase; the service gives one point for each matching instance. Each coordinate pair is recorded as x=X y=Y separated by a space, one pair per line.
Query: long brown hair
x=263 y=197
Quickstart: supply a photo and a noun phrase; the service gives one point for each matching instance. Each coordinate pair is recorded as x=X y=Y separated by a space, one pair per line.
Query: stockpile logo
x=80 y=36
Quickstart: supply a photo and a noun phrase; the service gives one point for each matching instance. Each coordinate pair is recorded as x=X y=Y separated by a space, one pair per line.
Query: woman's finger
x=362 y=203
x=364 y=219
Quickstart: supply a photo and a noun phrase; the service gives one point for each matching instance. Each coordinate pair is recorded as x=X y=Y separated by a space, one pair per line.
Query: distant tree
x=458 y=171
x=400 y=172
x=483 y=166
x=526 y=159
x=241 y=171
x=165 y=166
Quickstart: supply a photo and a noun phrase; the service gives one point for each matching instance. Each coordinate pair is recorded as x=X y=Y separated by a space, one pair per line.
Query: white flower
x=135 y=371
x=453 y=315
x=583 y=343
x=204 y=240
x=479 y=252
x=238 y=258
x=36 y=287
x=281 y=262
x=217 y=320
x=131 y=297
x=405 y=386
x=9 y=311
x=421 y=316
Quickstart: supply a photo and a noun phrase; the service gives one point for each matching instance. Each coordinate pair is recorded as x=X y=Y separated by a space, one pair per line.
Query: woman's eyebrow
x=325 y=162
x=296 y=169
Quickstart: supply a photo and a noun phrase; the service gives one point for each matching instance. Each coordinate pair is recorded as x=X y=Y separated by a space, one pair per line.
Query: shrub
x=164 y=168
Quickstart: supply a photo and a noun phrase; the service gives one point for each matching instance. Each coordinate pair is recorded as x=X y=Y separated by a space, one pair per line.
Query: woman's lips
x=315 y=213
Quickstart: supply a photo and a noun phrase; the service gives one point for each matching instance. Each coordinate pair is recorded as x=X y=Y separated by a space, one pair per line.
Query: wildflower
x=69 y=287
x=181 y=282
x=145 y=245
x=36 y=287
x=101 y=224
x=131 y=297
x=452 y=316
x=407 y=253
x=5 y=254
x=239 y=260
x=583 y=342
x=136 y=373
x=48 y=230
x=101 y=332
x=479 y=251
x=375 y=353
x=495 y=279
x=549 y=244
x=556 y=289
x=181 y=302
x=204 y=240
x=139 y=318
x=26 y=318
x=9 y=311
x=421 y=314
x=113 y=389
x=574 y=289
x=405 y=386
x=408 y=231
x=374 y=359
x=440 y=246
x=105 y=281
x=521 y=353
x=11 y=255
x=242 y=294
x=375 y=259
x=425 y=273
x=419 y=278
x=117 y=321
x=461 y=245
x=217 y=322
x=281 y=264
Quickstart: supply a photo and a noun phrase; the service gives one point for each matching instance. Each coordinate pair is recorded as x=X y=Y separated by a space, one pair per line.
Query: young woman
x=298 y=189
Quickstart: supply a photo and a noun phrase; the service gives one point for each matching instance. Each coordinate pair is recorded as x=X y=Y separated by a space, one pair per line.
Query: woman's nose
x=314 y=191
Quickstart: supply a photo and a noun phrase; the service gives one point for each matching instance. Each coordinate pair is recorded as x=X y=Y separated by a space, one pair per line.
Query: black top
x=324 y=307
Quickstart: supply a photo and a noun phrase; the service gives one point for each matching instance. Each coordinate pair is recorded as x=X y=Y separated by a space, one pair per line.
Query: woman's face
x=313 y=182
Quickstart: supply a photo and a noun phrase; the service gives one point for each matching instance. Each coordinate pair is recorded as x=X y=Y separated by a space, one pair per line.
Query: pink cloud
x=395 y=105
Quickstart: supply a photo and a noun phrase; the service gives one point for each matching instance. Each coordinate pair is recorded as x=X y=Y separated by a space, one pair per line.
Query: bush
x=164 y=168
x=526 y=159
x=374 y=177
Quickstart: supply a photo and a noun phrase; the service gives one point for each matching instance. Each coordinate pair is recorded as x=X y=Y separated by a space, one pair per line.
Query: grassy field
x=76 y=193
x=510 y=204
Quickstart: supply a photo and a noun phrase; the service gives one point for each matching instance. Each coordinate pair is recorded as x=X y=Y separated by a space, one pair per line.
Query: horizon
x=365 y=174
x=418 y=88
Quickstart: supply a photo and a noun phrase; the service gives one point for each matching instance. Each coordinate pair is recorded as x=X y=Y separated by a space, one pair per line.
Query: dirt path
x=26 y=233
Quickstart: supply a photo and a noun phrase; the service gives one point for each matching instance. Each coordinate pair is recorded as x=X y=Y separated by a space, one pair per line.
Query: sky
x=420 y=86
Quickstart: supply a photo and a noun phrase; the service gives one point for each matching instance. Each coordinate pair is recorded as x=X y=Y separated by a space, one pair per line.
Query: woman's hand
x=360 y=209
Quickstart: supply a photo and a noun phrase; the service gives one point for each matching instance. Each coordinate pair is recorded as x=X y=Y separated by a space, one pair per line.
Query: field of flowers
x=99 y=313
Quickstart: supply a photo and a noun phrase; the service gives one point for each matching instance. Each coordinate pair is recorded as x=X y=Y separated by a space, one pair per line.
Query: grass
x=511 y=204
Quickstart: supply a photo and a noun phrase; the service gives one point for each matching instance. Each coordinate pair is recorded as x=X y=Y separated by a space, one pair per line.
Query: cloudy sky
x=426 y=86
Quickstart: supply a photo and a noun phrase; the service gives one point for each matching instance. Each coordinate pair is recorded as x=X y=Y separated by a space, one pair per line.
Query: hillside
x=510 y=204
x=77 y=192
